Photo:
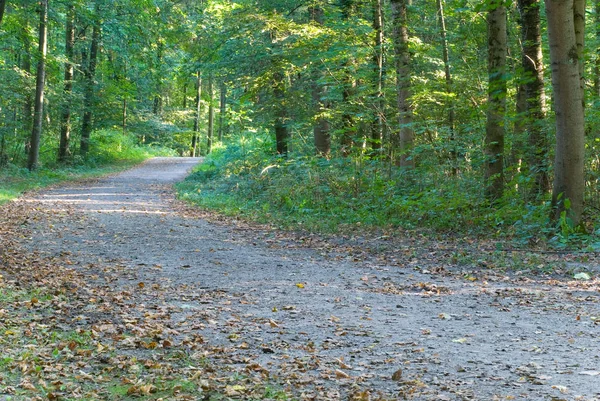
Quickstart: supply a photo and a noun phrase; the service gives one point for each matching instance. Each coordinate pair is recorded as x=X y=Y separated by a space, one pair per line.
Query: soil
x=331 y=319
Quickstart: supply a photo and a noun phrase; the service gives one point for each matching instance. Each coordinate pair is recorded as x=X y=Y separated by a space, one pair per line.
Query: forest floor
x=112 y=289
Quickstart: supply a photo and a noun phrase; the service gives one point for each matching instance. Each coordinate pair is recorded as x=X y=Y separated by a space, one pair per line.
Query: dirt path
x=321 y=327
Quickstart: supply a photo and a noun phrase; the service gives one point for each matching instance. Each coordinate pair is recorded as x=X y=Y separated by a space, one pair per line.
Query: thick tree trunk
x=195 y=137
x=406 y=137
x=65 y=126
x=211 y=115
x=222 y=110
x=90 y=76
x=321 y=128
x=379 y=103
x=564 y=37
x=494 y=130
x=533 y=68
x=2 y=7
x=38 y=113
x=449 y=90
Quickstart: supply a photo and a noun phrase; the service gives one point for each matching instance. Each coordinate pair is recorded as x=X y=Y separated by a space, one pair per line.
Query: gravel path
x=330 y=324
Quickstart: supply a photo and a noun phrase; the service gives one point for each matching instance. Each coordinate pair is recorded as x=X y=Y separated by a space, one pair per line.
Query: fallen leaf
x=397 y=376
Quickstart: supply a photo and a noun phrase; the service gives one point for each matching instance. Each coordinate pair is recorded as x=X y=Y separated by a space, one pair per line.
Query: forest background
x=345 y=115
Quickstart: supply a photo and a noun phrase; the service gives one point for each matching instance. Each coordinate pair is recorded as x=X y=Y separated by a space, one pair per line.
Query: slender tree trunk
x=321 y=133
x=2 y=7
x=449 y=90
x=185 y=86
x=222 y=110
x=281 y=130
x=533 y=68
x=36 y=132
x=124 y=116
x=379 y=103
x=65 y=127
x=563 y=37
x=90 y=75
x=597 y=54
x=211 y=115
x=494 y=132
x=195 y=137
x=349 y=89
x=406 y=137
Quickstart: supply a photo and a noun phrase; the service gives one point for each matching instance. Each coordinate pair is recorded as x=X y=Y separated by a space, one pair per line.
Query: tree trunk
x=597 y=53
x=195 y=137
x=377 y=124
x=406 y=137
x=65 y=126
x=90 y=75
x=38 y=113
x=2 y=7
x=533 y=69
x=222 y=110
x=211 y=115
x=448 y=78
x=28 y=101
x=281 y=131
x=563 y=38
x=349 y=89
x=321 y=133
x=494 y=130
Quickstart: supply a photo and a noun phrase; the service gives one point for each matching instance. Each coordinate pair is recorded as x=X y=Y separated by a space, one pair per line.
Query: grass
x=110 y=152
x=357 y=194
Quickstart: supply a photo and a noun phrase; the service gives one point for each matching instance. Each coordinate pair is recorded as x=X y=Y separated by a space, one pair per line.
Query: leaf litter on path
x=87 y=314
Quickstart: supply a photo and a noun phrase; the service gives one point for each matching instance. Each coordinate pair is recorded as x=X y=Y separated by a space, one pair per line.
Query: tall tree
x=2 y=7
x=36 y=132
x=211 y=115
x=198 y=103
x=90 y=77
x=494 y=129
x=65 y=129
x=321 y=134
x=349 y=88
x=449 y=90
x=406 y=136
x=533 y=88
x=565 y=34
x=379 y=101
x=222 y=109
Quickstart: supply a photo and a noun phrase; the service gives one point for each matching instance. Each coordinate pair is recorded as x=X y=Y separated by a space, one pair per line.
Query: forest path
x=323 y=324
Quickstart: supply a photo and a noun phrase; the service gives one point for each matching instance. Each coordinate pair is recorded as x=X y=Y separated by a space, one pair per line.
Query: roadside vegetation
x=111 y=151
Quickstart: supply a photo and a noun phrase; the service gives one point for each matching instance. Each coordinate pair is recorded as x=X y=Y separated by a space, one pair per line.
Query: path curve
x=350 y=324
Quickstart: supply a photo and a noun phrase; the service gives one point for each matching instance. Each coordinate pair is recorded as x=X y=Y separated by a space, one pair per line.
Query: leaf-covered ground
x=112 y=290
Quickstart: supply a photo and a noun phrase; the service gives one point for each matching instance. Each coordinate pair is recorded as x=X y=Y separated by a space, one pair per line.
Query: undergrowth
x=329 y=195
x=110 y=151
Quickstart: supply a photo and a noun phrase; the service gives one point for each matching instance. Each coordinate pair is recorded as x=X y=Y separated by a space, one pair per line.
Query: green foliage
x=328 y=195
x=110 y=151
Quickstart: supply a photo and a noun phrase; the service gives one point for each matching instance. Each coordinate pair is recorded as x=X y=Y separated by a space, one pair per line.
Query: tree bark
x=222 y=110
x=377 y=124
x=494 y=132
x=90 y=76
x=65 y=126
x=281 y=130
x=38 y=113
x=406 y=136
x=2 y=8
x=195 y=137
x=533 y=68
x=349 y=89
x=211 y=115
x=449 y=90
x=566 y=63
x=321 y=128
